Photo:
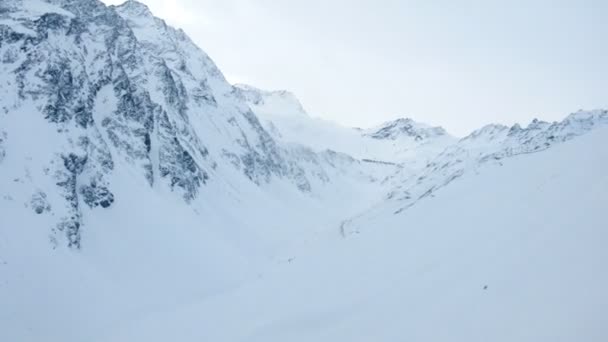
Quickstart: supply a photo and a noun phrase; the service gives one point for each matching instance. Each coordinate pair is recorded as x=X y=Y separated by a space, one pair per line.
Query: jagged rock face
x=109 y=86
x=3 y=137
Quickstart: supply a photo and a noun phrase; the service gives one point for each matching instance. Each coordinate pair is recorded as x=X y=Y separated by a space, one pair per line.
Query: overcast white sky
x=459 y=64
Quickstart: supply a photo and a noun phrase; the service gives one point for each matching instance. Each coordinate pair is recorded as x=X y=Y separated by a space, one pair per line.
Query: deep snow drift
x=143 y=197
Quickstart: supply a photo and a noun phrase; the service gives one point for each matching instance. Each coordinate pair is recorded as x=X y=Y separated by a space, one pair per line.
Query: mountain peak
x=135 y=8
x=270 y=102
x=589 y=116
x=405 y=127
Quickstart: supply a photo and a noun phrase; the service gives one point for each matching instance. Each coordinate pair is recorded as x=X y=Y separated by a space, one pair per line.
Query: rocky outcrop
x=120 y=88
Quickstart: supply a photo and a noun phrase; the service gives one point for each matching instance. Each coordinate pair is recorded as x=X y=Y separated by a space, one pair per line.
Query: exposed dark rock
x=3 y=137
x=39 y=203
x=94 y=195
x=73 y=163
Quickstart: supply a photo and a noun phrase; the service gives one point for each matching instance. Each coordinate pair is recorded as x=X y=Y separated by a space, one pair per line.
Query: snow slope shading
x=513 y=253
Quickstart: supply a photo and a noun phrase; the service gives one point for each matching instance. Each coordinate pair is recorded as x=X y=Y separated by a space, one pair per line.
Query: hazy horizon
x=360 y=63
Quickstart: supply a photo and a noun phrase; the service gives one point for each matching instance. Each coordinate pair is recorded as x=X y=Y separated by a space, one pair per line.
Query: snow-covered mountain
x=491 y=144
x=270 y=103
x=515 y=252
x=143 y=197
x=114 y=89
x=402 y=142
x=406 y=128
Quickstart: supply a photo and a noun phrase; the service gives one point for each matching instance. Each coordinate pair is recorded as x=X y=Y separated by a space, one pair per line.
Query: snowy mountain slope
x=515 y=252
x=121 y=139
x=189 y=218
x=270 y=103
x=490 y=144
x=190 y=62
x=399 y=141
x=115 y=87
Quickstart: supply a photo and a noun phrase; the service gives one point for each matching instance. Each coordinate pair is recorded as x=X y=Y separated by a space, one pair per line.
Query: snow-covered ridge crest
x=493 y=143
x=490 y=144
x=135 y=8
x=402 y=142
x=405 y=127
x=270 y=103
